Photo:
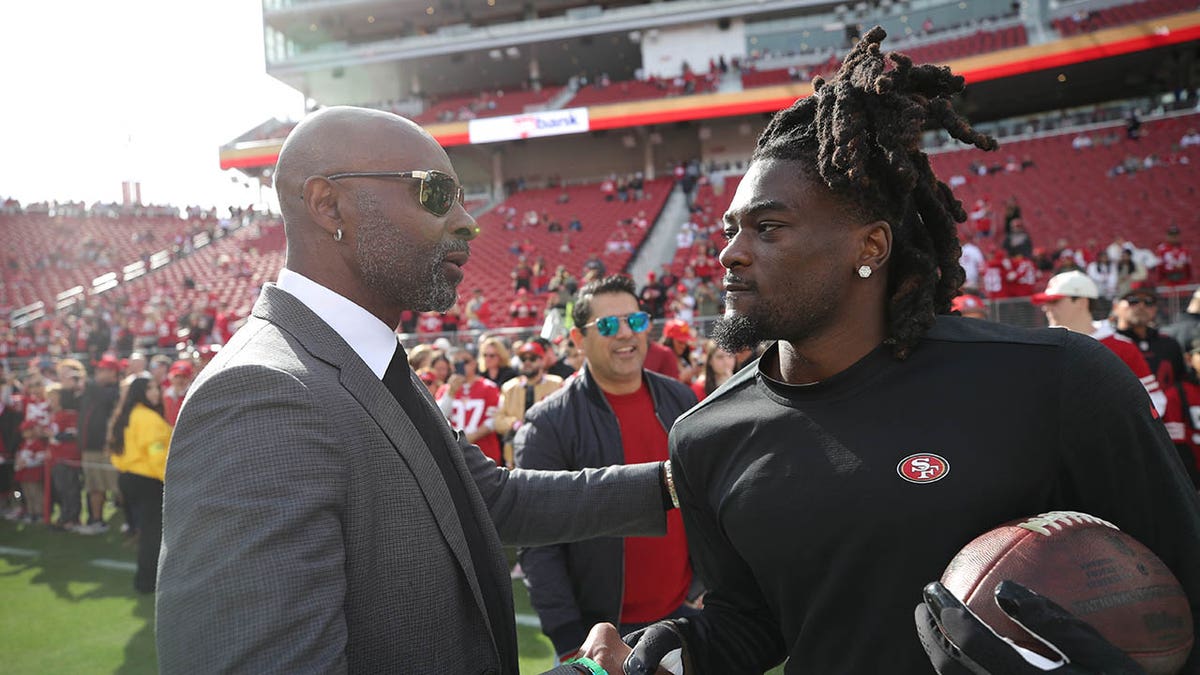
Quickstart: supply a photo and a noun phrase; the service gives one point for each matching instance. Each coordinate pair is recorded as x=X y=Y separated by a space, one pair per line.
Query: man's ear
x=876 y=244
x=321 y=202
x=576 y=336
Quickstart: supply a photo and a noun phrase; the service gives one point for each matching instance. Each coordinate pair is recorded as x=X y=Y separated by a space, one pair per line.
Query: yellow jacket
x=146 y=441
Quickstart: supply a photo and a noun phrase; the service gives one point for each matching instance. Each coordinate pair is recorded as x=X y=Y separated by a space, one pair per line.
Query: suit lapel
x=499 y=571
x=284 y=310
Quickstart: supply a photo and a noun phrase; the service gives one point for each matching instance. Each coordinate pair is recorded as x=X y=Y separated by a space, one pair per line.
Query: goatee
x=735 y=333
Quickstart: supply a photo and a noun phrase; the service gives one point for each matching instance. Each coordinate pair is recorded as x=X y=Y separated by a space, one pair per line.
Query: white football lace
x=1042 y=522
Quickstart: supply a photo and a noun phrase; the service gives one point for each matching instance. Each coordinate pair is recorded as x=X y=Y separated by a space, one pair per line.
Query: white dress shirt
x=373 y=340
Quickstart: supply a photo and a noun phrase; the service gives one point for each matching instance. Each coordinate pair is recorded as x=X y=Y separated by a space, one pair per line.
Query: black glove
x=651 y=644
x=958 y=643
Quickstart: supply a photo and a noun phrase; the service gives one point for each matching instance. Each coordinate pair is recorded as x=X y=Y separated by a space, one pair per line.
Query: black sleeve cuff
x=568 y=637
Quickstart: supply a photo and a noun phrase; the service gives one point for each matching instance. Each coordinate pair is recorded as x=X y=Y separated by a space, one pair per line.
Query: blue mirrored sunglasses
x=609 y=326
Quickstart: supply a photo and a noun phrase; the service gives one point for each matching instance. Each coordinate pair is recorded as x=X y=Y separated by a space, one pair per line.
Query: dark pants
x=67 y=485
x=145 y=496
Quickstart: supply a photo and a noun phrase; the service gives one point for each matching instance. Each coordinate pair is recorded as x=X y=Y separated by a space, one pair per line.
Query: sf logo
x=923 y=468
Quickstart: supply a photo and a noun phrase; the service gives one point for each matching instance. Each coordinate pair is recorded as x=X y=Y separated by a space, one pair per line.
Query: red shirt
x=36 y=449
x=660 y=359
x=1021 y=278
x=1175 y=266
x=522 y=313
x=475 y=404
x=64 y=422
x=657 y=569
x=1184 y=425
x=172 y=402
x=1132 y=356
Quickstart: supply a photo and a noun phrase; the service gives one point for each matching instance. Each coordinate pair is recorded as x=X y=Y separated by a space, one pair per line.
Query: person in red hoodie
x=66 y=473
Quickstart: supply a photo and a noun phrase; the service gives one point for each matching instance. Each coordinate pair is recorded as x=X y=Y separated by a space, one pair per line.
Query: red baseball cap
x=678 y=330
x=108 y=361
x=182 y=368
x=968 y=303
x=531 y=347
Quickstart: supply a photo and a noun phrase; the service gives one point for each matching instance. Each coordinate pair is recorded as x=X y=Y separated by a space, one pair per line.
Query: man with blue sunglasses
x=612 y=412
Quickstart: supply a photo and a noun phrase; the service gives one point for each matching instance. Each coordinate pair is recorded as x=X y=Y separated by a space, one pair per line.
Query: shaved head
x=341 y=138
x=368 y=238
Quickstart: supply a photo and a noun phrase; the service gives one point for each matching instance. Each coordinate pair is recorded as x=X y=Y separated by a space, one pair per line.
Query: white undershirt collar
x=373 y=340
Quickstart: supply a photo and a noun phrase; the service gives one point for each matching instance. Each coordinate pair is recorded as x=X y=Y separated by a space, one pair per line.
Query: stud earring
x=337 y=236
x=863 y=271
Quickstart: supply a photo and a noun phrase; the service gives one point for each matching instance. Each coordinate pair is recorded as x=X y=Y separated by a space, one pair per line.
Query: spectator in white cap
x=1069 y=302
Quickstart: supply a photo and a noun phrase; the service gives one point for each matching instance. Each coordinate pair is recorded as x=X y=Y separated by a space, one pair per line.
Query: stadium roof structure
x=1101 y=49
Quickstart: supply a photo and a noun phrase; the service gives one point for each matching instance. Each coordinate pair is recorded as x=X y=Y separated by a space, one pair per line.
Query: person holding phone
x=472 y=401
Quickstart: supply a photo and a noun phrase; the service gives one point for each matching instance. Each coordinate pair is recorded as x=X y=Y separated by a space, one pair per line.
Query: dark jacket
x=574 y=586
x=96 y=406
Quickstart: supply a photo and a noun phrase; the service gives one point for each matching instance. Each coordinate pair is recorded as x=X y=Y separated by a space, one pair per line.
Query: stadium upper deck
x=620 y=66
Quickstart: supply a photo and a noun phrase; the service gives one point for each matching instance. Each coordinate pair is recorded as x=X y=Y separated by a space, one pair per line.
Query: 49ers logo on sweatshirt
x=923 y=467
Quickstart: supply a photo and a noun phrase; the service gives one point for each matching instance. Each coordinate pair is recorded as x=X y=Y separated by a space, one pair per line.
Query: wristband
x=592 y=667
x=670 y=483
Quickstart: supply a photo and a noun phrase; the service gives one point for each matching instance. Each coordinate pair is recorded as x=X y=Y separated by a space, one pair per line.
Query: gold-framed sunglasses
x=439 y=191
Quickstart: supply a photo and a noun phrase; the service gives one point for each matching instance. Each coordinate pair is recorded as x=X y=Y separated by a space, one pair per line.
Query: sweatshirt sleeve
x=735 y=633
x=1120 y=464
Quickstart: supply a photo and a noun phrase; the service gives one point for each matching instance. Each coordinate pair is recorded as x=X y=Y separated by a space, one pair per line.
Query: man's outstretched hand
x=959 y=643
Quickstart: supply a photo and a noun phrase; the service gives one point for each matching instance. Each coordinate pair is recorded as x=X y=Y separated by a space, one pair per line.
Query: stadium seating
x=485 y=104
x=980 y=42
x=635 y=90
x=1120 y=15
x=1069 y=193
x=491 y=259
x=48 y=254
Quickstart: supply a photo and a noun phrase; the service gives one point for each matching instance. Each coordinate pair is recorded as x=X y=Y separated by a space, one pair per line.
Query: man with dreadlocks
x=824 y=486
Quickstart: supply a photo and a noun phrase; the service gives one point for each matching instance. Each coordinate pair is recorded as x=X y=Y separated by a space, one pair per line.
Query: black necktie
x=399 y=383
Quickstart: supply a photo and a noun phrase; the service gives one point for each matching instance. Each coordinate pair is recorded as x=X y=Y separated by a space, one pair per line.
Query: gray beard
x=381 y=252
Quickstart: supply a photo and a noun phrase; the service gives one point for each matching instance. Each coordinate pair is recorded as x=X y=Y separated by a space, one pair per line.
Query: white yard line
x=119 y=565
x=529 y=620
x=23 y=552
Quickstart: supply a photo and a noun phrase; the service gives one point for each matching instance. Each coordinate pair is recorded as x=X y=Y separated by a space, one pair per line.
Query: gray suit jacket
x=307 y=528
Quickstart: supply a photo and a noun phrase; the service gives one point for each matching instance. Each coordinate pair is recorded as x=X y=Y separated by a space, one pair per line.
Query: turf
x=68 y=609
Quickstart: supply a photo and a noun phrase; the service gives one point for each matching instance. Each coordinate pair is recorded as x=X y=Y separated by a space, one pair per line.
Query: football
x=1090 y=568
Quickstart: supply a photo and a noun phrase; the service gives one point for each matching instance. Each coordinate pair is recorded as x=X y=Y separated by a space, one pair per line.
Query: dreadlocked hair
x=861 y=133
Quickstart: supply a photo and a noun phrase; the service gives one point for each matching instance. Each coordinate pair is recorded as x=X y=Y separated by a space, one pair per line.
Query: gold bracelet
x=670 y=483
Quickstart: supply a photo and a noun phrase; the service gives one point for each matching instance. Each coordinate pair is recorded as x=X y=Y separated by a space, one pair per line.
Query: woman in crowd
x=1129 y=272
x=718 y=367
x=138 y=437
x=440 y=365
x=495 y=361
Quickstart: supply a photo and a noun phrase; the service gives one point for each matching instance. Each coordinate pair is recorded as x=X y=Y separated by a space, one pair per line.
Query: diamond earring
x=865 y=271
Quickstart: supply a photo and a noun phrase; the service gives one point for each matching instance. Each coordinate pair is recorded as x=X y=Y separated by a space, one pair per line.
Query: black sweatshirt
x=816 y=546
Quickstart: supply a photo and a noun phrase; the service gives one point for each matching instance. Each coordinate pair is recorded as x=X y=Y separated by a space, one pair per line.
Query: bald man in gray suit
x=319 y=513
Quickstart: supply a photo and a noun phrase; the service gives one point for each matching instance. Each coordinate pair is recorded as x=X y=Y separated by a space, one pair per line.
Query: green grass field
x=69 y=606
